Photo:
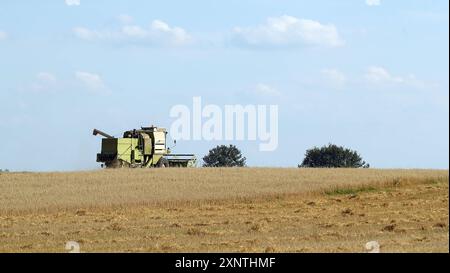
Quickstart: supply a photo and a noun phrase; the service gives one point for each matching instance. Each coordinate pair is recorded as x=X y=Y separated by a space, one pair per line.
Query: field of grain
x=233 y=210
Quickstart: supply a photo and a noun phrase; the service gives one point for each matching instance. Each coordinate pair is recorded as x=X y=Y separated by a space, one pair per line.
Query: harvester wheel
x=163 y=163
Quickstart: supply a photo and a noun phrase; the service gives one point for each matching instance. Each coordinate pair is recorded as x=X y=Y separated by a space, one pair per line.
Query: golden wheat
x=124 y=187
x=232 y=210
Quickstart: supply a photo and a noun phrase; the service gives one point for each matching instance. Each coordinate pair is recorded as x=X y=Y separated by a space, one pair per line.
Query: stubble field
x=225 y=210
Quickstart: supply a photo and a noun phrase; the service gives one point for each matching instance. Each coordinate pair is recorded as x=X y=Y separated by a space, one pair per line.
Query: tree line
x=329 y=156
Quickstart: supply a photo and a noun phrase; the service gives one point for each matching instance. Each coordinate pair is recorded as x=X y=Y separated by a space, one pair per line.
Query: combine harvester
x=144 y=148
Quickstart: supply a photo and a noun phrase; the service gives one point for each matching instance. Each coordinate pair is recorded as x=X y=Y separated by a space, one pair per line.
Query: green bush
x=332 y=156
x=224 y=156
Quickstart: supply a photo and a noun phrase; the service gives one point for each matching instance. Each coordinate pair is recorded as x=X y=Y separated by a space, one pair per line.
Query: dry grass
x=28 y=192
x=256 y=210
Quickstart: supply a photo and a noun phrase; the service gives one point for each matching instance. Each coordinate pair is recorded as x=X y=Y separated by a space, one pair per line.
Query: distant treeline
x=329 y=156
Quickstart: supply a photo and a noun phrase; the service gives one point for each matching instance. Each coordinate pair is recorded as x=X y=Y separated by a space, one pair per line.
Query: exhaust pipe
x=98 y=132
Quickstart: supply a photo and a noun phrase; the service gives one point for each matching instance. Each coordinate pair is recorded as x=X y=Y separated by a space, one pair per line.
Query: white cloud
x=83 y=33
x=289 y=31
x=158 y=33
x=134 y=31
x=380 y=75
x=87 y=34
x=92 y=81
x=174 y=34
x=373 y=2
x=73 y=2
x=45 y=81
x=262 y=89
x=334 y=77
x=3 y=35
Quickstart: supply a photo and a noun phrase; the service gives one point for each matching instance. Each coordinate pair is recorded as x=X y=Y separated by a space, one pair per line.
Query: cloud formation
x=92 y=81
x=373 y=2
x=289 y=31
x=73 y=2
x=262 y=89
x=45 y=81
x=380 y=75
x=158 y=33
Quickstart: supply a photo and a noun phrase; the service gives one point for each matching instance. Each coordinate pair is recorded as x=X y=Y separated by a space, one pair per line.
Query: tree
x=332 y=156
x=224 y=156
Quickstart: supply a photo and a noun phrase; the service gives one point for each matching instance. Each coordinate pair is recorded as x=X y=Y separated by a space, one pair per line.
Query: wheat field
x=225 y=209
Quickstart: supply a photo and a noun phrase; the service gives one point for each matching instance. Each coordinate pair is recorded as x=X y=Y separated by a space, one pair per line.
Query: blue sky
x=369 y=75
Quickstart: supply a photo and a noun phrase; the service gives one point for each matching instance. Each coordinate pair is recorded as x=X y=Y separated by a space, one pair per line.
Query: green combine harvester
x=144 y=148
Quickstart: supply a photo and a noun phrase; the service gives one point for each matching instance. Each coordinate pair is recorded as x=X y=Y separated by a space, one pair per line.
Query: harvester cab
x=141 y=148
